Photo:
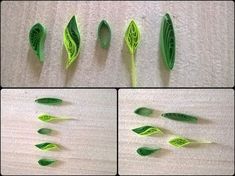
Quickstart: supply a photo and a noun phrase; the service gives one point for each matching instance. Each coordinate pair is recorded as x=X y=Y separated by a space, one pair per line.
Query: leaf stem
x=133 y=71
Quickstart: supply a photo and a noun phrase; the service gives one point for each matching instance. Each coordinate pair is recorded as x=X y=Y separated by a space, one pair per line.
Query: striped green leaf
x=147 y=130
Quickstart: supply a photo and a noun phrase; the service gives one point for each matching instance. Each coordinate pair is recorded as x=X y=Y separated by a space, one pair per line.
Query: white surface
x=89 y=143
x=204 y=37
x=216 y=111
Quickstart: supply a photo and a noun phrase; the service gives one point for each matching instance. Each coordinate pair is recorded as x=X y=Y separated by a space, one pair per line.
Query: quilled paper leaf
x=147 y=130
x=49 y=101
x=37 y=37
x=47 y=146
x=144 y=151
x=47 y=118
x=132 y=37
x=179 y=142
x=180 y=117
x=104 y=34
x=46 y=162
x=143 y=111
x=167 y=41
x=72 y=41
x=44 y=131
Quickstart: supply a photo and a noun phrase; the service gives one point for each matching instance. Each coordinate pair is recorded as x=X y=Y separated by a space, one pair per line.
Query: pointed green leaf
x=147 y=130
x=143 y=111
x=144 y=151
x=104 y=34
x=37 y=37
x=47 y=118
x=47 y=146
x=132 y=37
x=46 y=162
x=49 y=101
x=180 y=117
x=179 y=141
x=167 y=41
x=44 y=131
x=72 y=41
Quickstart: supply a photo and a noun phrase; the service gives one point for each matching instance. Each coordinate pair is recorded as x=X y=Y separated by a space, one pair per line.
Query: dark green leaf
x=44 y=131
x=104 y=34
x=45 y=162
x=143 y=111
x=47 y=146
x=147 y=130
x=49 y=101
x=167 y=41
x=144 y=151
x=180 y=117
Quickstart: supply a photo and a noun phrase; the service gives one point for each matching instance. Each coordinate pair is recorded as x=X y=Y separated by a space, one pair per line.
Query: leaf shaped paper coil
x=46 y=162
x=147 y=130
x=180 y=117
x=44 y=131
x=49 y=101
x=104 y=34
x=72 y=41
x=47 y=146
x=37 y=37
x=132 y=37
x=179 y=142
x=144 y=151
x=143 y=111
x=167 y=41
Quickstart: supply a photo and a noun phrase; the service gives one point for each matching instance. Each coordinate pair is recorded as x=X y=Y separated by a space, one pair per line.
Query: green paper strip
x=132 y=38
x=180 y=117
x=37 y=37
x=72 y=41
x=144 y=151
x=104 y=34
x=49 y=101
x=147 y=130
x=167 y=41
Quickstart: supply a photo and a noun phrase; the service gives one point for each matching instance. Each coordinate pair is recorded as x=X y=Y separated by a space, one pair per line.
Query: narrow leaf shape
x=179 y=142
x=147 y=130
x=143 y=111
x=37 y=37
x=104 y=34
x=47 y=146
x=44 y=131
x=132 y=38
x=144 y=151
x=180 y=117
x=167 y=41
x=46 y=162
x=49 y=101
x=72 y=41
x=47 y=118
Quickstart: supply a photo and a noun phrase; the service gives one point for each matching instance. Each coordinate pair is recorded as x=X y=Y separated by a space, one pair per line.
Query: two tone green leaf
x=179 y=142
x=144 y=151
x=180 y=117
x=72 y=41
x=51 y=118
x=167 y=41
x=45 y=131
x=49 y=101
x=46 y=146
x=104 y=34
x=37 y=37
x=46 y=162
x=147 y=130
x=143 y=111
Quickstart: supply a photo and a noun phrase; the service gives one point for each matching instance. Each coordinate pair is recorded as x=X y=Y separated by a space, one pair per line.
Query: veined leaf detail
x=147 y=130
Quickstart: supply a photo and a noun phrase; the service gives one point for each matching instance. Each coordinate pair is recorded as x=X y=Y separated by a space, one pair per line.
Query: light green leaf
x=179 y=141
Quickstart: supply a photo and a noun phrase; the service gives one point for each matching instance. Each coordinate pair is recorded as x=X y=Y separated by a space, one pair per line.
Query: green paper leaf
x=132 y=38
x=143 y=111
x=46 y=162
x=180 y=117
x=72 y=41
x=104 y=34
x=167 y=41
x=144 y=151
x=147 y=130
x=44 y=131
x=47 y=118
x=37 y=37
x=49 y=101
x=47 y=146
x=179 y=141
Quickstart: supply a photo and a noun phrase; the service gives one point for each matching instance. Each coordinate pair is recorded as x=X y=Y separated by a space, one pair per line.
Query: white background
x=204 y=44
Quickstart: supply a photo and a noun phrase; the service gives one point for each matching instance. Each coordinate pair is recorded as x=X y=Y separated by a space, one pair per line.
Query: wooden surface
x=215 y=109
x=89 y=143
x=204 y=37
